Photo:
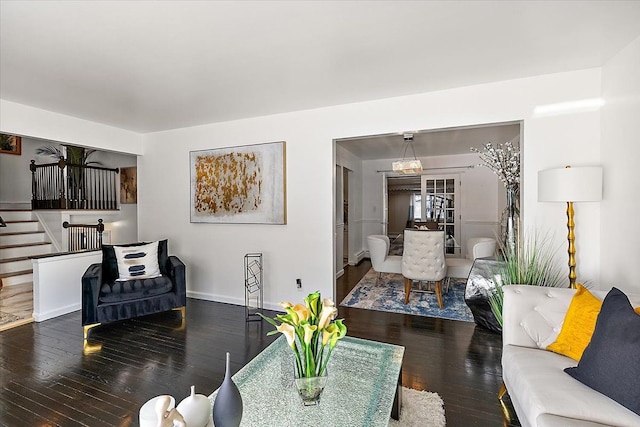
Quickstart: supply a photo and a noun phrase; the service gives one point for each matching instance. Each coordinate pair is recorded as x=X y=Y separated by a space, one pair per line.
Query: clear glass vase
x=310 y=388
x=511 y=218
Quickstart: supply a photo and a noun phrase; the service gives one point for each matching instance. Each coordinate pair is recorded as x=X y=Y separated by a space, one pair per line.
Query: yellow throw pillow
x=579 y=324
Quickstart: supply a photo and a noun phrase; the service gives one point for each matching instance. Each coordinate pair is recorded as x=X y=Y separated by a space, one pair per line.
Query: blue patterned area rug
x=388 y=295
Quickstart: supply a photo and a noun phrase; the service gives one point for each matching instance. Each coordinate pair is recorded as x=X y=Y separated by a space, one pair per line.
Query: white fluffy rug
x=420 y=409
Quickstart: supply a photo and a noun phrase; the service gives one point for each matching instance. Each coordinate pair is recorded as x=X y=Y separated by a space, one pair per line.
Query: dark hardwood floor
x=47 y=379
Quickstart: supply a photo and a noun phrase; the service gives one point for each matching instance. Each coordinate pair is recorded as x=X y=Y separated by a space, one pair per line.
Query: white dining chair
x=381 y=261
x=423 y=260
x=477 y=247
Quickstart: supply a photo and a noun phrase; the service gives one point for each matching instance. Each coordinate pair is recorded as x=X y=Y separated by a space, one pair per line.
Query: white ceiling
x=154 y=65
x=439 y=142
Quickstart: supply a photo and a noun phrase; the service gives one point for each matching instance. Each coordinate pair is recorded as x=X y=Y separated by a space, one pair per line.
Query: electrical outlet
x=299 y=283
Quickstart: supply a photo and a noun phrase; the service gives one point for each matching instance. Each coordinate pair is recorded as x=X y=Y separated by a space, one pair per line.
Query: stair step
x=17 y=233
x=22 y=237
x=27 y=249
x=10 y=265
x=15 y=215
x=17 y=278
x=23 y=245
x=20 y=226
x=15 y=273
x=19 y=258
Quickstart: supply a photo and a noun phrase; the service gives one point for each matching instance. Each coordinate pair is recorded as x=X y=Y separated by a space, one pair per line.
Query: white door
x=440 y=201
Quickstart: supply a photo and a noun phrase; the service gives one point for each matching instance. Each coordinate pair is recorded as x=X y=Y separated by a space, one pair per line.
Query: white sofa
x=542 y=393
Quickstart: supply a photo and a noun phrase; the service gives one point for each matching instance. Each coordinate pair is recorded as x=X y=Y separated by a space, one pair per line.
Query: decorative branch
x=503 y=160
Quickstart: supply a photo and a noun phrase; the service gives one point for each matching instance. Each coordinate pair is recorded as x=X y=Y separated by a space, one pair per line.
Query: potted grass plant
x=530 y=262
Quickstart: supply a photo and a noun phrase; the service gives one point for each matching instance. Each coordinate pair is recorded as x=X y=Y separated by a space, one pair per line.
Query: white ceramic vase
x=196 y=410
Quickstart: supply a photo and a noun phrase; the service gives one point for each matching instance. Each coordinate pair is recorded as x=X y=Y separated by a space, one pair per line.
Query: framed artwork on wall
x=129 y=185
x=241 y=185
x=10 y=144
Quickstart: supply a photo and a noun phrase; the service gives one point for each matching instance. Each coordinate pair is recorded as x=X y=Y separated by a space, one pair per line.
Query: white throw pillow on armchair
x=137 y=262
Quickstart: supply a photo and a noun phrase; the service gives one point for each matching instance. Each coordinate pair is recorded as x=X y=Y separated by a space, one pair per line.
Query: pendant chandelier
x=408 y=166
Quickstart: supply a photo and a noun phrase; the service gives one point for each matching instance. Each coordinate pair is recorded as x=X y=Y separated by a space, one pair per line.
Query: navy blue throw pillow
x=611 y=362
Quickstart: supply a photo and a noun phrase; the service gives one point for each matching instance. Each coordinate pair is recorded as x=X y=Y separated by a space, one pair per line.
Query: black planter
x=479 y=285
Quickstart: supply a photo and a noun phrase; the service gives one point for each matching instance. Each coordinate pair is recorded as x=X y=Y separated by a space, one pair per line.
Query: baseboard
x=340 y=273
x=229 y=300
x=360 y=256
x=15 y=324
x=40 y=317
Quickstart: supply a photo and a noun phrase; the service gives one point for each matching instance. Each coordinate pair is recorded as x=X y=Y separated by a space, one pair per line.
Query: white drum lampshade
x=581 y=184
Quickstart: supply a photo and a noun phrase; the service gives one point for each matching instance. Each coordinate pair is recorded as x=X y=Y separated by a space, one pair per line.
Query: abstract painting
x=242 y=185
x=129 y=185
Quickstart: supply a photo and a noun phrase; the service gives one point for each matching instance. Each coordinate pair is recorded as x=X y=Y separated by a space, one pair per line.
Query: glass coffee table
x=363 y=387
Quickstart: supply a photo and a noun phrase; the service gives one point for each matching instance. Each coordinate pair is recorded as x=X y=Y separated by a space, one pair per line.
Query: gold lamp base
x=572 y=247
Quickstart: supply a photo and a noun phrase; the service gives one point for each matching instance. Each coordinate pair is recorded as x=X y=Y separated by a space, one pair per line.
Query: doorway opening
x=345 y=216
x=459 y=197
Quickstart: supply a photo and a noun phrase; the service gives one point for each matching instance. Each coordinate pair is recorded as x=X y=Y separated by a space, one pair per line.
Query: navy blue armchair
x=106 y=300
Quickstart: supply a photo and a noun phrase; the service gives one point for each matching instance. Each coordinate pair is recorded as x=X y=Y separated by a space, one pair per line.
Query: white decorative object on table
x=166 y=417
x=196 y=410
x=147 y=414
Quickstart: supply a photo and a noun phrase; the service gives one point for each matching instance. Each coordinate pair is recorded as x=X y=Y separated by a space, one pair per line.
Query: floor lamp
x=581 y=184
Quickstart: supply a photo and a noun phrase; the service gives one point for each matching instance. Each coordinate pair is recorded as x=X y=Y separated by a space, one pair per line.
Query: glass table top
x=363 y=376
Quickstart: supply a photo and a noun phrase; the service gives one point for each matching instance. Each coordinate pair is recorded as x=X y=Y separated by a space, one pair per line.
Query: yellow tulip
x=286 y=304
x=327 y=314
x=301 y=312
x=342 y=332
x=328 y=332
x=289 y=332
x=309 y=331
x=311 y=302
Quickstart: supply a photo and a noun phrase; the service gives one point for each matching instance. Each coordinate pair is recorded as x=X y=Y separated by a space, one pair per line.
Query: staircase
x=22 y=238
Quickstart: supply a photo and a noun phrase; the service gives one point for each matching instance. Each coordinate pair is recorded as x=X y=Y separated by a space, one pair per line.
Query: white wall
x=23 y=120
x=304 y=247
x=346 y=159
x=483 y=199
x=15 y=176
x=57 y=288
x=120 y=227
x=620 y=228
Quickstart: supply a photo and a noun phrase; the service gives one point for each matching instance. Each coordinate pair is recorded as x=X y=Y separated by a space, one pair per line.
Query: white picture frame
x=239 y=185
